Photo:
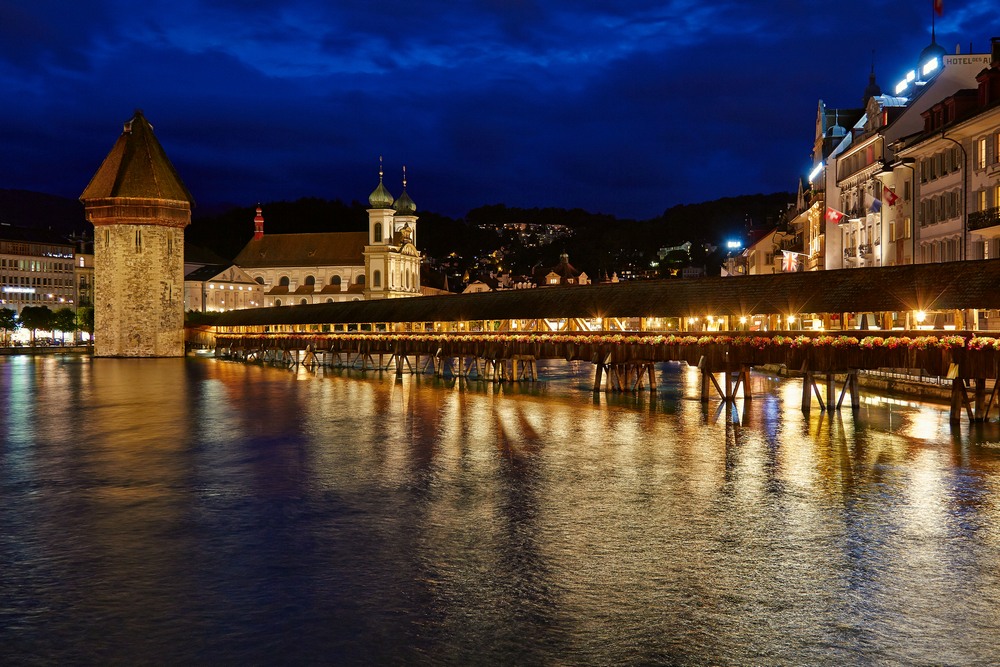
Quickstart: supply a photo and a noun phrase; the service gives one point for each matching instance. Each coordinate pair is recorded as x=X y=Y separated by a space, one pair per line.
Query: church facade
x=327 y=267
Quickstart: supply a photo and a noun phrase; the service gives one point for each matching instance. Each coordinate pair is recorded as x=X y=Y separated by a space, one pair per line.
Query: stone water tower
x=139 y=208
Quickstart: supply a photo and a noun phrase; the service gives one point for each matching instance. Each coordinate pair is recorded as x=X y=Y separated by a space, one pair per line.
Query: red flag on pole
x=939 y=7
x=889 y=196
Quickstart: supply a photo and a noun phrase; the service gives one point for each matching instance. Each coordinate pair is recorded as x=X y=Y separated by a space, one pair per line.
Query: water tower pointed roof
x=137 y=166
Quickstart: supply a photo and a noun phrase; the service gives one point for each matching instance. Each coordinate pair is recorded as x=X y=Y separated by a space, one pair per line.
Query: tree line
x=43 y=318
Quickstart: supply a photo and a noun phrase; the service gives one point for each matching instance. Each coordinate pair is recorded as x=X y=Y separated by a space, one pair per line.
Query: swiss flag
x=889 y=196
x=835 y=216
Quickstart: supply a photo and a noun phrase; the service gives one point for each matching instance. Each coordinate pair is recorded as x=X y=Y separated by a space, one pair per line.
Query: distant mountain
x=600 y=243
x=36 y=210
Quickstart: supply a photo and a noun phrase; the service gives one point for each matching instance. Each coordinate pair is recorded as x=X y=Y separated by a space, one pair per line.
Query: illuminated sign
x=19 y=290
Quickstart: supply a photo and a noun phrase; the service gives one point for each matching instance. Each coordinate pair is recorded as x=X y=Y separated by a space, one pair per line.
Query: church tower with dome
x=139 y=208
x=392 y=261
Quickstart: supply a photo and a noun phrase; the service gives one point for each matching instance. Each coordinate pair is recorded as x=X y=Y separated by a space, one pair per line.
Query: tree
x=8 y=322
x=64 y=320
x=35 y=318
x=85 y=320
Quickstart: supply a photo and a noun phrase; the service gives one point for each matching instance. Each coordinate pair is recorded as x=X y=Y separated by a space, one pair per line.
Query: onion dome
x=380 y=197
x=404 y=205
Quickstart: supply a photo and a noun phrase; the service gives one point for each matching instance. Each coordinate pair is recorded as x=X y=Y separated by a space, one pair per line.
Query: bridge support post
x=959 y=399
x=808 y=389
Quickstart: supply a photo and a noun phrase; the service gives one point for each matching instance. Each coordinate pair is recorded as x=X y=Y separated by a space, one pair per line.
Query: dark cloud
x=625 y=108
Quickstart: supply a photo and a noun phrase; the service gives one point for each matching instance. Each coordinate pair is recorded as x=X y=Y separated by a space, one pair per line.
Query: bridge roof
x=944 y=286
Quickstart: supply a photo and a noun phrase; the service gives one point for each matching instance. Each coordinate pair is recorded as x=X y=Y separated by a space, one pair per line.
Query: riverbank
x=46 y=349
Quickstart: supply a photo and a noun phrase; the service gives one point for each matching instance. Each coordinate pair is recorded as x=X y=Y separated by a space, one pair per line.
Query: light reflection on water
x=199 y=511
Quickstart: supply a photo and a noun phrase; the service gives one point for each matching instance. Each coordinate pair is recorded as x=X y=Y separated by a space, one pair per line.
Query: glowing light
x=901 y=86
x=815 y=172
x=743 y=320
x=920 y=316
x=791 y=319
x=930 y=66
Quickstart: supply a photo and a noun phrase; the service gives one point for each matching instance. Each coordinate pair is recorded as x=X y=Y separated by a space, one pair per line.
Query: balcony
x=986 y=222
x=850 y=252
x=865 y=249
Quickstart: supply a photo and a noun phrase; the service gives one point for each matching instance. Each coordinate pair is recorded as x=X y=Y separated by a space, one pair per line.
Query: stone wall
x=138 y=290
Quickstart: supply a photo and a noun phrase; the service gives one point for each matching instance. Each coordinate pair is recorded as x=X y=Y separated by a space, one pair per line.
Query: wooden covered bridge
x=931 y=318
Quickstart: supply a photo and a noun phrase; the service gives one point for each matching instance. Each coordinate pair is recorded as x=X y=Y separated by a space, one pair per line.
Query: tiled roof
x=318 y=249
x=953 y=285
x=137 y=167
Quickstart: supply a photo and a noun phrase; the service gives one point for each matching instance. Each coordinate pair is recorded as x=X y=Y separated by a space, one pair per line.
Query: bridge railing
x=967 y=354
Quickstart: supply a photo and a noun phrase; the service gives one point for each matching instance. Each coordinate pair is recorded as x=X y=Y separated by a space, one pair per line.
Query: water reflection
x=199 y=511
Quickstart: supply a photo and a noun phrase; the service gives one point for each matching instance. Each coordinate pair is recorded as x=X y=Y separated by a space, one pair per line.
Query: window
x=378 y=232
x=260 y=280
x=360 y=280
x=335 y=281
x=981 y=153
x=310 y=281
x=376 y=278
x=304 y=302
x=277 y=302
x=283 y=282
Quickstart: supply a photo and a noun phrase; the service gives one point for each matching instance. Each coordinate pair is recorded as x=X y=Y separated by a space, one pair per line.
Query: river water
x=198 y=511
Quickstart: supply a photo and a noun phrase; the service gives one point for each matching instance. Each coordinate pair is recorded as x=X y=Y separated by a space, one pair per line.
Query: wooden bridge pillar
x=732 y=380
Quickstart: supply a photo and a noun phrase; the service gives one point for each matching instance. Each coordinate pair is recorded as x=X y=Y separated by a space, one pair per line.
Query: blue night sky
x=624 y=107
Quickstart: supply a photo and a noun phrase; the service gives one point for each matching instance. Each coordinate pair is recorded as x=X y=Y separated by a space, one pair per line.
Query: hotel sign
x=968 y=59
